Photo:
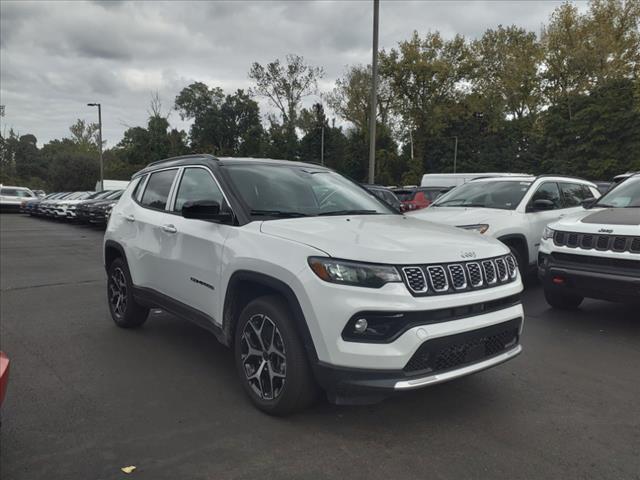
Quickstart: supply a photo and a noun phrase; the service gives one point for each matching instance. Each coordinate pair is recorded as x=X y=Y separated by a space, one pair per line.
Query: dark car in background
x=82 y=209
x=98 y=213
x=416 y=198
x=386 y=195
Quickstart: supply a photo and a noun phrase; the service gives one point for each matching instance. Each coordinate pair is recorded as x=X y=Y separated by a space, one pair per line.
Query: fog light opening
x=361 y=325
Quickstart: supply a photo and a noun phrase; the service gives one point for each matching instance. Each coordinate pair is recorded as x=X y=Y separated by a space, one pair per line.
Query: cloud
x=57 y=56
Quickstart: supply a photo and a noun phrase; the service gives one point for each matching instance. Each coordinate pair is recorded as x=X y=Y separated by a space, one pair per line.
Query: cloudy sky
x=57 y=56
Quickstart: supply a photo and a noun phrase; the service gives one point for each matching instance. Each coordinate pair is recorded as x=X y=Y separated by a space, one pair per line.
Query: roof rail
x=182 y=157
x=563 y=176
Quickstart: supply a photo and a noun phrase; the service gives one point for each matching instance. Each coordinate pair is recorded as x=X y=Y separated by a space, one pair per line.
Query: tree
x=285 y=85
x=424 y=74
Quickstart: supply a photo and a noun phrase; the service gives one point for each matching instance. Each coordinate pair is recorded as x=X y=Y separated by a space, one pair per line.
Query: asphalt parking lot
x=86 y=398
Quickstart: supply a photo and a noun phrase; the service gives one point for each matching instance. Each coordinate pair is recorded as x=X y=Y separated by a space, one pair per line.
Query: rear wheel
x=125 y=311
x=561 y=300
x=270 y=359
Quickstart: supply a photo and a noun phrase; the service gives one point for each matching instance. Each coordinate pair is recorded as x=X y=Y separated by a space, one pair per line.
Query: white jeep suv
x=512 y=209
x=310 y=279
x=595 y=253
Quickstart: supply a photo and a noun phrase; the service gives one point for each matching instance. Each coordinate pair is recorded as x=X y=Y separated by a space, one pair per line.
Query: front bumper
x=435 y=361
x=590 y=275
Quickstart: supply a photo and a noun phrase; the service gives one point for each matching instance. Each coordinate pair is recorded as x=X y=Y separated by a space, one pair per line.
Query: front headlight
x=353 y=273
x=480 y=227
x=547 y=233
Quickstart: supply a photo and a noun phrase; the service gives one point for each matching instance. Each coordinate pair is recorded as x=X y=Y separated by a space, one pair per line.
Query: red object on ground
x=4 y=375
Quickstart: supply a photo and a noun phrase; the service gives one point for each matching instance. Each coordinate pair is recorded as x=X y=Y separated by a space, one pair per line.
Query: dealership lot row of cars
x=84 y=207
x=301 y=285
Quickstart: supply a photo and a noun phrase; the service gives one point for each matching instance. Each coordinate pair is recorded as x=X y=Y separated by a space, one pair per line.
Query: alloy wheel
x=263 y=357
x=118 y=292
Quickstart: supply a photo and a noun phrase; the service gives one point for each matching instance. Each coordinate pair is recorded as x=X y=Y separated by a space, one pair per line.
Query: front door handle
x=130 y=218
x=169 y=228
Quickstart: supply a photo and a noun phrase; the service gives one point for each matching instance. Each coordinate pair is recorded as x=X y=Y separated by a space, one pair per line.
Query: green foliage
x=567 y=102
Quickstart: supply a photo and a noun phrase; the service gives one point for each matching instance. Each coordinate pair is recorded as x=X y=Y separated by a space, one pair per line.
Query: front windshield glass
x=283 y=191
x=504 y=195
x=626 y=195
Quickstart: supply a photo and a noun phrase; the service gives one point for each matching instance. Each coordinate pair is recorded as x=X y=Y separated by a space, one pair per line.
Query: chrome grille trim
x=473 y=269
x=489 y=270
x=456 y=271
x=412 y=273
x=600 y=242
x=512 y=265
x=443 y=283
x=501 y=269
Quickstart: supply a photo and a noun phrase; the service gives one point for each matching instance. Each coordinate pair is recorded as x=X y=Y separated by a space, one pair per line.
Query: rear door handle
x=169 y=228
x=130 y=218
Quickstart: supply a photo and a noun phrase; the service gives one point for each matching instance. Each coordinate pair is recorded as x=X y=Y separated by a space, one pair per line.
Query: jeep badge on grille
x=468 y=254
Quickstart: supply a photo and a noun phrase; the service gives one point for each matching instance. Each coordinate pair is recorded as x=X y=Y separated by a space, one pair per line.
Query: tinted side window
x=548 y=191
x=136 y=191
x=157 y=191
x=574 y=193
x=197 y=184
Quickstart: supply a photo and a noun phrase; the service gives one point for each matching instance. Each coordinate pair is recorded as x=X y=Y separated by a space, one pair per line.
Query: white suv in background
x=512 y=209
x=310 y=279
x=595 y=253
x=12 y=197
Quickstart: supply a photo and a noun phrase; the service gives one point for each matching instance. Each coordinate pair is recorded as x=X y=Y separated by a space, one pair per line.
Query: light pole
x=322 y=146
x=99 y=141
x=374 y=94
x=455 y=153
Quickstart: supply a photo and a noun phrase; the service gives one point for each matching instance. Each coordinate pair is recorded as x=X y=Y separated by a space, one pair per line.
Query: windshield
x=283 y=191
x=625 y=195
x=504 y=195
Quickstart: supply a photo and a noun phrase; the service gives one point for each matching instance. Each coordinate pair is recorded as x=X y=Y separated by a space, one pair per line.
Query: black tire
x=561 y=300
x=125 y=311
x=285 y=384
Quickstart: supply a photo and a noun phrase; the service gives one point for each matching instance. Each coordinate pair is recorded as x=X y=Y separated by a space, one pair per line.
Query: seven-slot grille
x=415 y=279
x=457 y=277
x=589 y=241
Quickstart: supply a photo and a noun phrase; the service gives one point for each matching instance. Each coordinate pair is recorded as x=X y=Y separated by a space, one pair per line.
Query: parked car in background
x=515 y=210
x=594 y=253
x=4 y=375
x=418 y=197
x=450 y=180
x=11 y=198
x=41 y=208
x=337 y=291
x=623 y=176
x=61 y=207
x=81 y=209
x=40 y=193
x=98 y=212
x=30 y=205
x=603 y=187
x=112 y=185
x=386 y=195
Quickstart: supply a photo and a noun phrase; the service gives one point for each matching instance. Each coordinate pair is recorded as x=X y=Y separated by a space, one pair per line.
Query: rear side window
x=574 y=193
x=197 y=184
x=136 y=191
x=548 y=191
x=158 y=187
x=13 y=192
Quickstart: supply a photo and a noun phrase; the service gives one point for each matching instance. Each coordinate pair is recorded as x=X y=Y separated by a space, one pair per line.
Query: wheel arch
x=518 y=241
x=246 y=285
x=113 y=250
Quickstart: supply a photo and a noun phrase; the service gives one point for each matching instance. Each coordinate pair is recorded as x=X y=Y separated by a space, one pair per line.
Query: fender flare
x=280 y=287
x=520 y=238
x=115 y=245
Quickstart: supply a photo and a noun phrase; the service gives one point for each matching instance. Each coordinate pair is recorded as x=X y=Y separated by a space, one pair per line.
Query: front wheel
x=562 y=301
x=124 y=309
x=270 y=359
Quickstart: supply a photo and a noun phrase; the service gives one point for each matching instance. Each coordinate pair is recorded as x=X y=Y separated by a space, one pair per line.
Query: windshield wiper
x=277 y=213
x=350 y=212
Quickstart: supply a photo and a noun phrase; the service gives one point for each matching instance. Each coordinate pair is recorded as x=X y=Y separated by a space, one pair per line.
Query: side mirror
x=542 y=204
x=588 y=202
x=205 y=210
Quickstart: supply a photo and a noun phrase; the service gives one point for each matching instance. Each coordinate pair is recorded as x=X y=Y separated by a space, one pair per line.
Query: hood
x=394 y=239
x=612 y=221
x=458 y=216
